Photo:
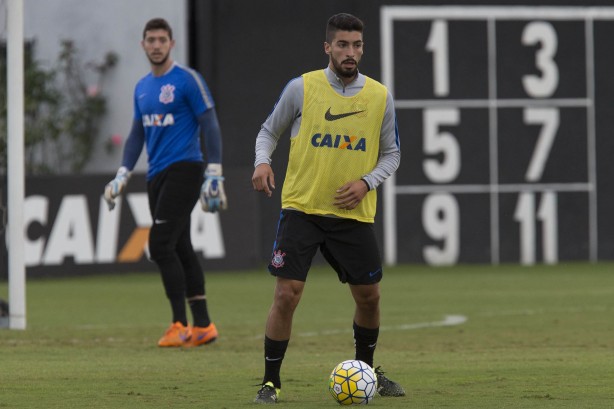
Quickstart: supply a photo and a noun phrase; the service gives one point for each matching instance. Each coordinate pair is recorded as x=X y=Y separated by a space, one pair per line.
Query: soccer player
x=344 y=144
x=173 y=109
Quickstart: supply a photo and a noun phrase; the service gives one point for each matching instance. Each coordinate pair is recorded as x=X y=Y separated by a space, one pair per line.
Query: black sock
x=274 y=352
x=200 y=314
x=365 y=341
x=179 y=312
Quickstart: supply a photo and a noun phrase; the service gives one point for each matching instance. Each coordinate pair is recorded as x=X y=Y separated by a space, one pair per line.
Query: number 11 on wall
x=527 y=217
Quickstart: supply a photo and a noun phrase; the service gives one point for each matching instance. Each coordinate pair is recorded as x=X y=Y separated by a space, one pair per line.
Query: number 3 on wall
x=544 y=85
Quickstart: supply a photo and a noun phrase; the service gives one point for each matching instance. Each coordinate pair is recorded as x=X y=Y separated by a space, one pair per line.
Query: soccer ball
x=352 y=382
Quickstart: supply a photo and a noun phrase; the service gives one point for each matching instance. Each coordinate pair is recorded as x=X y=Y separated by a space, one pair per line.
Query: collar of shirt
x=173 y=65
x=350 y=89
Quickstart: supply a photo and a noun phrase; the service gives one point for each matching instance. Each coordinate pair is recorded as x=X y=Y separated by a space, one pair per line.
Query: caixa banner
x=70 y=231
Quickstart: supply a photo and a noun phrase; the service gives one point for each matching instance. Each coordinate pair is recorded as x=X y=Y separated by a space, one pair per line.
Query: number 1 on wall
x=438 y=45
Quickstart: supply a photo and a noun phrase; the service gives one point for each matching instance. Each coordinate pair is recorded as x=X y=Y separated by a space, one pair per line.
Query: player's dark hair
x=158 y=24
x=344 y=22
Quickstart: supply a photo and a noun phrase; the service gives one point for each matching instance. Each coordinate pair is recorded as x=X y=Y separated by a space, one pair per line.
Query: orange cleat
x=175 y=336
x=202 y=336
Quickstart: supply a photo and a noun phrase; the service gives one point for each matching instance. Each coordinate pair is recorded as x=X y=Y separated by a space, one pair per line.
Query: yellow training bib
x=338 y=142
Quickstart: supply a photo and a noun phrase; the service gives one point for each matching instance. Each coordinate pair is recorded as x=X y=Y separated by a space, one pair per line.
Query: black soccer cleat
x=267 y=394
x=386 y=387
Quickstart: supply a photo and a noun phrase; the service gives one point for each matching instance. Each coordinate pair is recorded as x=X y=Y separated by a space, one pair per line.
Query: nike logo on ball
x=332 y=117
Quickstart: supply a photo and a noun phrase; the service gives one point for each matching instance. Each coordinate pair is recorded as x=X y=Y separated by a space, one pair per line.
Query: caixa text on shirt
x=158 y=120
x=352 y=143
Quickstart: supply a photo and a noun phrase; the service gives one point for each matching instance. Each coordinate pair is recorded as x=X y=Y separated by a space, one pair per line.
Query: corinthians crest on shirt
x=167 y=94
x=278 y=259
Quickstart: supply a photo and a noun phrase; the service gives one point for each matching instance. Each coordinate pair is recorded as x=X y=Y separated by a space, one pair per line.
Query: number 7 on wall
x=549 y=119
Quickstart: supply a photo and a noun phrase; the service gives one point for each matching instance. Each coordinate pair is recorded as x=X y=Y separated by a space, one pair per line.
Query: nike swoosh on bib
x=332 y=117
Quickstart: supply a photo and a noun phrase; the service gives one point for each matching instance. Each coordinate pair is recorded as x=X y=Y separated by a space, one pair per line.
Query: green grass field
x=535 y=337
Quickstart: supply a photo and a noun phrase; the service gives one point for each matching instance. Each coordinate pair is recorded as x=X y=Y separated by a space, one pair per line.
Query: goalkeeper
x=173 y=109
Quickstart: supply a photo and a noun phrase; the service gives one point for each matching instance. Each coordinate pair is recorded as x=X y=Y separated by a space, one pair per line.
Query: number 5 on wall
x=441 y=144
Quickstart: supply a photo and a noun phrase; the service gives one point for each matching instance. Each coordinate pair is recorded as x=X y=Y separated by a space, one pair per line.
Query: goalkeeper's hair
x=158 y=24
x=344 y=22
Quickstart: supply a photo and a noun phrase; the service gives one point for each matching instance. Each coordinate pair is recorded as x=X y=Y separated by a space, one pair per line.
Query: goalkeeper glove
x=212 y=194
x=115 y=187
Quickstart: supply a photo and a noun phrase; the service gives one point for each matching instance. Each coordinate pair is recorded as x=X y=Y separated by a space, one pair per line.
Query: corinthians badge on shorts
x=278 y=259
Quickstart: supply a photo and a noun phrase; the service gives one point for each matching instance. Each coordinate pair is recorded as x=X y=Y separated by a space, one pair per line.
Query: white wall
x=97 y=27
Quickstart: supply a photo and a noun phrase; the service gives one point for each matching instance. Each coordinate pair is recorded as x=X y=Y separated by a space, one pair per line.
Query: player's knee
x=287 y=297
x=368 y=300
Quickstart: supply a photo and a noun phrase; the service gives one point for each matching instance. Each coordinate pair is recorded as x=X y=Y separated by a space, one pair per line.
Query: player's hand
x=212 y=194
x=263 y=179
x=350 y=195
x=115 y=187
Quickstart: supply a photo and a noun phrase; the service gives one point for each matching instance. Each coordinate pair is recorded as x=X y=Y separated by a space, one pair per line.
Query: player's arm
x=198 y=96
x=134 y=145
x=287 y=110
x=351 y=194
x=389 y=146
x=211 y=135
x=132 y=151
x=200 y=100
x=212 y=192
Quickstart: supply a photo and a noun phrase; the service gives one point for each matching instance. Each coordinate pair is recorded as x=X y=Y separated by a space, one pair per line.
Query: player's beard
x=343 y=72
x=160 y=62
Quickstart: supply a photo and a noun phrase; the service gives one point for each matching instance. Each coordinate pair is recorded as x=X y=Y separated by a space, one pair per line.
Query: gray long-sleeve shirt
x=288 y=112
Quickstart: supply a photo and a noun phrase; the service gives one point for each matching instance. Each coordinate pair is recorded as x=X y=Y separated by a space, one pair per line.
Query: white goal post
x=15 y=168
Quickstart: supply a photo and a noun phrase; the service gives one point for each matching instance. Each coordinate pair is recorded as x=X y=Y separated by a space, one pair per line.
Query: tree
x=62 y=112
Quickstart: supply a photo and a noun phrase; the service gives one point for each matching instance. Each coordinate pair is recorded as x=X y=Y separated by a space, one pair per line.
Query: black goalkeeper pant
x=172 y=196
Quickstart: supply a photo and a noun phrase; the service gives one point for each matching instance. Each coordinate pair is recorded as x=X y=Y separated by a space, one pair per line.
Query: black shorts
x=173 y=192
x=349 y=246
